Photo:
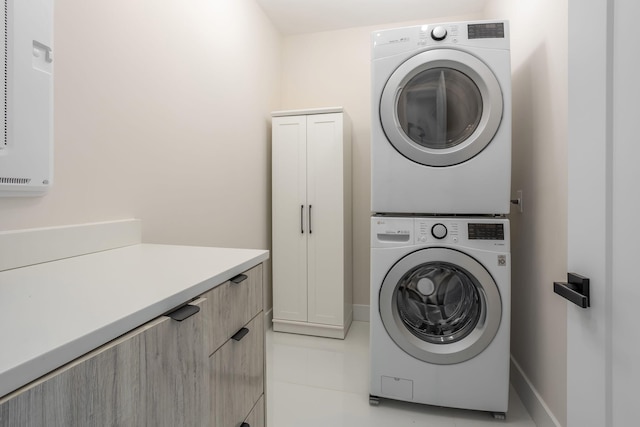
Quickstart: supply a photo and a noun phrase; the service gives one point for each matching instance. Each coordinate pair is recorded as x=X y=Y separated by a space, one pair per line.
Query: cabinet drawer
x=231 y=305
x=256 y=417
x=152 y=376
x=237 y=376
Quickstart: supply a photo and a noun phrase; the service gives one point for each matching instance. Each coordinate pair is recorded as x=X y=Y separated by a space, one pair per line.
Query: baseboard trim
x=531 y=399
x=306 y=328
x=361 y=312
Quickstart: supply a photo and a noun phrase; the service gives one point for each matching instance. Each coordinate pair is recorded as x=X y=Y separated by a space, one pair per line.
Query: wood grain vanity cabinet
x=206 y=370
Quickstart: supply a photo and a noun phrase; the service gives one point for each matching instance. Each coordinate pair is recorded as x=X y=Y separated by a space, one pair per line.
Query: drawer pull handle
x=245 y=425
x=184 y=312
x=239 y=278
x=240 y=334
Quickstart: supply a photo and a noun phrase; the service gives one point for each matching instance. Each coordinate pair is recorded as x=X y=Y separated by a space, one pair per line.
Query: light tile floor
x=323 y=382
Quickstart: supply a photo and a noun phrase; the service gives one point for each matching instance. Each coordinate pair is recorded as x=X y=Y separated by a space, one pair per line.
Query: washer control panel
x=429 y=230
x=486 y=231
x=480 y=233
x=439 y=231
x=391 y=232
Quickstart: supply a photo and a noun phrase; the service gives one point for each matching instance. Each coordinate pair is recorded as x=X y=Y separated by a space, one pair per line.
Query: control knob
x=439 y=33
x=439 y=231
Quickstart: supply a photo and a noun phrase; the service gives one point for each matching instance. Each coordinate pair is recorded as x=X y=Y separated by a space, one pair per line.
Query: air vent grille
x=14 y=180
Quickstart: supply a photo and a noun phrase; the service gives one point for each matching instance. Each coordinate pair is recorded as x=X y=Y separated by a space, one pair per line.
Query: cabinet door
x=325 y=194
x=155 y=375
x=237 y=376
x=176 y=371
x=289 y=218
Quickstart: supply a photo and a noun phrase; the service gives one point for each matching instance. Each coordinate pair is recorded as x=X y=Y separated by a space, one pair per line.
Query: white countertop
x=54 y=312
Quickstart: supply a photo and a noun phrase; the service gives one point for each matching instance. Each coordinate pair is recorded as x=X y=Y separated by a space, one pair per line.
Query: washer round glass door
x=441 y=107
x=440 y=305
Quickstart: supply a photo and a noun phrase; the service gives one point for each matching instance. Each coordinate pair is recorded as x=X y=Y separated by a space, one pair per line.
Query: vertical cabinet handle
x=310 y=230
x=301 y=219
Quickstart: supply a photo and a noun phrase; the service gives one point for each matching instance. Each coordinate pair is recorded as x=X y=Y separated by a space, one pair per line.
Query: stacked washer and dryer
x=440 y=247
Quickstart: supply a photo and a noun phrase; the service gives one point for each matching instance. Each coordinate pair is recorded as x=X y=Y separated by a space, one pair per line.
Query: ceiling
x=310 y=16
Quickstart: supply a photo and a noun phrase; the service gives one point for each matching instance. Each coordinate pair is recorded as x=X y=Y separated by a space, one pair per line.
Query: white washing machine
x=440 y=311
x=441 y=119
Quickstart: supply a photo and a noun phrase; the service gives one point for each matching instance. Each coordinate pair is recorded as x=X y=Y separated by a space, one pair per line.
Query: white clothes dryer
x=440 y=311
x=441 y=119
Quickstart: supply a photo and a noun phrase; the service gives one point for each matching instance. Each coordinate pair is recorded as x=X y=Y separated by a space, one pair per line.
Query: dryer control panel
x=485 y=34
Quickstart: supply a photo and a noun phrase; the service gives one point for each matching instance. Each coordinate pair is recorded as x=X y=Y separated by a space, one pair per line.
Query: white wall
x=162 y=113
x=539 y=52
x=333 y=68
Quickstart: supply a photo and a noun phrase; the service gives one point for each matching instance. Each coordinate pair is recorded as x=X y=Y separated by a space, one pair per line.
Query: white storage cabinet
x=312 y=260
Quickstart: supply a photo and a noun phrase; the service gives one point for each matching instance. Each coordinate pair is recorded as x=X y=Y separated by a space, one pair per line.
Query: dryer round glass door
x=440 y=305
x=441 y=107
